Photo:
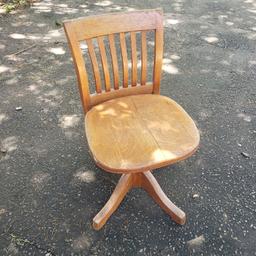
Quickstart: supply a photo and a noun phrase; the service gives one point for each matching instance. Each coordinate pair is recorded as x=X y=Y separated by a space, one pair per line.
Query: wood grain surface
x=138 y=133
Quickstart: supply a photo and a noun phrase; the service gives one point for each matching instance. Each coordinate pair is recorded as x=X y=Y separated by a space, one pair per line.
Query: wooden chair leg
x=149 y=183
x=146 y=181
x=122 y=187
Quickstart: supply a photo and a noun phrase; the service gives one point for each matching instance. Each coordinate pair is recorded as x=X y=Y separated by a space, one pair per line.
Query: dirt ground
x=50 y=189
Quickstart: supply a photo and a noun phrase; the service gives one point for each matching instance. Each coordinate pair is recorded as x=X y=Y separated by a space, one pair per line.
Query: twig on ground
x=23 y=50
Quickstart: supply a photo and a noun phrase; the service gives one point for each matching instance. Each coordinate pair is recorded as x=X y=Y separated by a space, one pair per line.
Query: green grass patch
x=10 y=5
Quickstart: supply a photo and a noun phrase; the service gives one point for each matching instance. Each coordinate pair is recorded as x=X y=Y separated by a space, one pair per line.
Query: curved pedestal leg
x=122 y=187
x=146 y=181
x=149 y=183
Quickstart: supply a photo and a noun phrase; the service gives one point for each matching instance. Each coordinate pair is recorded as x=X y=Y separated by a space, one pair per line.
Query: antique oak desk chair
x=130 y=128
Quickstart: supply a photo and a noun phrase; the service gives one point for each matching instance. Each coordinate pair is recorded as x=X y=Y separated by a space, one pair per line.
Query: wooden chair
x=130 y=129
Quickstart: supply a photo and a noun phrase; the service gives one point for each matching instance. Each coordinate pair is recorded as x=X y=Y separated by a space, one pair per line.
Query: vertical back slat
x=94 y=65
x=104 y=63
x=114 y=60
x=143 y=57
x=124 y=59
x=134 y=58
x=158 y=59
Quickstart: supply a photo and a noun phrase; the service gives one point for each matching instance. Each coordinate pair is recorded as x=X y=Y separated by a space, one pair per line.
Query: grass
x=10 y=5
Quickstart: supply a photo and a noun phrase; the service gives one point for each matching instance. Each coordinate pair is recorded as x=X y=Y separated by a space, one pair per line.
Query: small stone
x=3 y=150
x=244 y=154
x=239 y=144
x=195 y=196
x=2 y=211
x=57 y=23
x=196 y=242
x=18 y=108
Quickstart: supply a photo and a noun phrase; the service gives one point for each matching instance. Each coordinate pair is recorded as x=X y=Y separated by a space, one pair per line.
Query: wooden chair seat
x=139 y=133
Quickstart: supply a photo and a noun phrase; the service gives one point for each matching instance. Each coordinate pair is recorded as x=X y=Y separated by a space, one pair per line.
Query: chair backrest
x=107 y=26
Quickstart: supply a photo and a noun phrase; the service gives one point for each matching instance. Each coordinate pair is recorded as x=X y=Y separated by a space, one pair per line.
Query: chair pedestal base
x=143 y=180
